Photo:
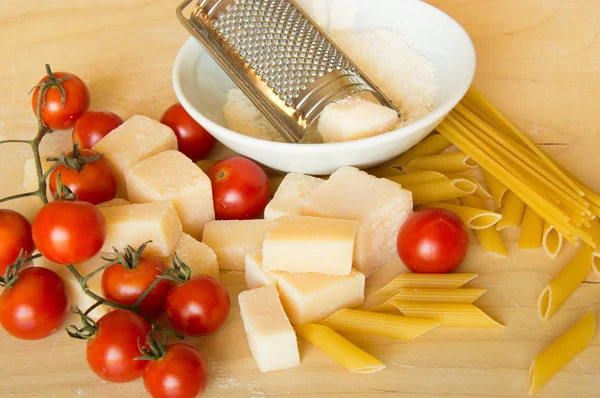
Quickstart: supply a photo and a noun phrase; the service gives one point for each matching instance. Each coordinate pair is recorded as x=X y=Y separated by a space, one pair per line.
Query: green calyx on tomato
x=154 y=349
x=74 y=160
x=130 y=259
x=87 y=331
x=12 y=271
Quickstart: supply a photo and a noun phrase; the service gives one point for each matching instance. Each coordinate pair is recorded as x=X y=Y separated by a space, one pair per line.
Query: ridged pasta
x=472 y=217
x=450 y=315
x=432 y=145
x=444 y=163
x=410 y=280
x=489 y=238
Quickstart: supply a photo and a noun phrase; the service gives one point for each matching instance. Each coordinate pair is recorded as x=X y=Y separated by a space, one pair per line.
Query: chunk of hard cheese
x=136 y=224
x=293 y=189
x=379 y=205
x=171 y=175
x=232 y=239
x=271 y=337
x=256 y=275
x=353 y=118
x=137 y=139
x=309 y=298
x=76 y=295
x=201 y=259
x=30 y=178
x=310 y=244
x=114 y=202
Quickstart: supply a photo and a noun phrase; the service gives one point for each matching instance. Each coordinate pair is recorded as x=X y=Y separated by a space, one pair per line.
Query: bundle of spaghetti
x=511 y=160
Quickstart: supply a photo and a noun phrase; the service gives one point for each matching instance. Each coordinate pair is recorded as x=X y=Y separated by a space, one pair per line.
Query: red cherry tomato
x=192 y=139
x=126 y=286
x=240 y=189
x=15 y=234
x=433 y=241
x=69 y=232
x=181 y=373
x=112 y=351
x=53 y=114
x=35 y=306
x=199 y=306
x=95 y=183
x=93 y=126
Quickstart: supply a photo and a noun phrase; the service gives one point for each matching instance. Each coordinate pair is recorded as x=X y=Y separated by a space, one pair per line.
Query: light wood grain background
x=538 y=60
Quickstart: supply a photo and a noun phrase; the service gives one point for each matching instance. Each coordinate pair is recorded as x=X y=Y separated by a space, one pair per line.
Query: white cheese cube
x=379 y=205
x=136 y=224
x=293 y=189
x=172 y=176
x=310 y=298
x=137 y=139
x=353 y=118
x=271 y=337
x=256 y=276
x=201 y=259
x=76 y=295
x=232 y=239
x=30 y=178
x=114 y=202
x=310 y=244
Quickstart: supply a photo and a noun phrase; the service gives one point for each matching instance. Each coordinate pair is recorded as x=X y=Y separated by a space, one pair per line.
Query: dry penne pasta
x=448 y=281
x=512 y=212
x=384 y=172
x=594 y=231
x=451 y=315
x=432 y=145
x=552 y=241
x=439 y=191
x=417 y=178
x=444 y=163
x=472 y=217
x=532 y=229
x=481 y=192
x=347 y=354
x=496 y=188
x=393 y=326
x=561 y=351
x=452 y=201
x=565 y=283
x=438 y=295
x=489 y=238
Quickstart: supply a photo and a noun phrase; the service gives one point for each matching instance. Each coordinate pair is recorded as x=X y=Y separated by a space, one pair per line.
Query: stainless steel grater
x=288 y=67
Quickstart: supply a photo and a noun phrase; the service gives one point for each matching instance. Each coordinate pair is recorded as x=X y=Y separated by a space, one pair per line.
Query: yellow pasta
x=384 y=172
x=481 y=192
x=565 y=283
x=439 y=191
x=594 y=231
x=489 y=238
x=347 y=354
x=552 y=241
x=448 y=281
x=417 y=178
x=451 y=315
x=532 y=229
x=561 y=351
x=512 y=211
x=432 y=145
x=472 y=217
x=497 y=189
x=437 y=295
x=386 y=325
x=443 y=163
x=452 y=201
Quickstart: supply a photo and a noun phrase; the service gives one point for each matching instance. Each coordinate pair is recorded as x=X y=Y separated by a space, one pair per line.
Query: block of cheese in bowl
x=396 y=43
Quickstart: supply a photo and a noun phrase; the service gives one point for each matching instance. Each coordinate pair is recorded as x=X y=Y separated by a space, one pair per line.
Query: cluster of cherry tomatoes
x=121 y=345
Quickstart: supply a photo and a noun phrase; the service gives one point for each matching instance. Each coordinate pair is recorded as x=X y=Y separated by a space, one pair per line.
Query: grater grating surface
x=282 y=61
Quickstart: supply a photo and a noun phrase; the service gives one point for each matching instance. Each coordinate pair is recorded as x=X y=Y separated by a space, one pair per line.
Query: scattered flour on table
x=403 y=73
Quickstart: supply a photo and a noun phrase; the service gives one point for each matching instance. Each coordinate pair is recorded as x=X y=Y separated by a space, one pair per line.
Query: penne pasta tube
x=565 y=283
x=432 y=145
x=594 y=231
x=472 y=217
x=512 y=212
x=448 y=281
x=450 y=315
x=438 y=295
x=386 y=325
x=344 y=352
x=532 y=229
x=496 y=188
x=561 y=351
x=452 y=201
x=481 y=192
x=444 y=163
x=439 y=191
x=384 y=172
x=552 y=241
x=489 y=238
x=417 y=178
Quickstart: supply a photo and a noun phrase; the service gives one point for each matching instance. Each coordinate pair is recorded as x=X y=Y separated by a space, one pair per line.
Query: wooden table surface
x=538 y=60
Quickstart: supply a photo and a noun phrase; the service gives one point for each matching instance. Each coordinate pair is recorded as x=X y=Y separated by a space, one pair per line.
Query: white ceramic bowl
x=201 y=86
